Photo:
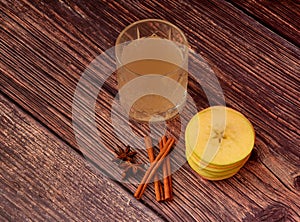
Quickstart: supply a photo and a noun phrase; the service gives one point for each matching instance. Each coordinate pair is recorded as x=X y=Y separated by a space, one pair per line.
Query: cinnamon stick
x=157 y=184
x=169 y=177
x=153 y=168
x=166 y=172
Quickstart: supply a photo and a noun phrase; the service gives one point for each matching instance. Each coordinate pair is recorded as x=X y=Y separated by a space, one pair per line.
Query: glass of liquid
x=152 y=75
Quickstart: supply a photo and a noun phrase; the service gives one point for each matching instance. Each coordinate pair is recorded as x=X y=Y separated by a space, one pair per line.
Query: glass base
x=143 y=116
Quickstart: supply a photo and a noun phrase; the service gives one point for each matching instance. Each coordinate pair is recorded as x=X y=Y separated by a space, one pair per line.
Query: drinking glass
x=152 y=75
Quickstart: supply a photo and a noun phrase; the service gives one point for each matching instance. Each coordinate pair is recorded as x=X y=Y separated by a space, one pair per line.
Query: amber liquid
x=152 y=97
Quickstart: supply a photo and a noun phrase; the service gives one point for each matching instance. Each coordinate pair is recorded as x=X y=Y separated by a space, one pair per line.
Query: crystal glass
x=152 y=75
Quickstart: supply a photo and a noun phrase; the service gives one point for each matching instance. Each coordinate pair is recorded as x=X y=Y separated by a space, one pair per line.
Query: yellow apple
x=210 y=166
x=209 y=176
x=219 y=141
x=219 y=170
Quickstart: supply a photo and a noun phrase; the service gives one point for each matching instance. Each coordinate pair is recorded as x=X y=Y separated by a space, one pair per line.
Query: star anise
x=131 y=169
x=124 y=155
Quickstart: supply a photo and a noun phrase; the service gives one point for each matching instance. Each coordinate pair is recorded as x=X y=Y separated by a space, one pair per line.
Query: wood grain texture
x=283 y=17
x=43 y=179
x=46 y=46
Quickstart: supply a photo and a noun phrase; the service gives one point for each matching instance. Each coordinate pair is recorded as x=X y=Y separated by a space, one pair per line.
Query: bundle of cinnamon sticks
x=161 y=192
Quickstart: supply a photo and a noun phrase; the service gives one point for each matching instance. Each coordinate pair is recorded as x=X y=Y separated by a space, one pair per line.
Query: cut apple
x=210 y=176
x=219 y=141
x=218 y=170
x=208 y=165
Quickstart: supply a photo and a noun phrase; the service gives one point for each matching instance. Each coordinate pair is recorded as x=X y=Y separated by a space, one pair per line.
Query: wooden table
x=252 y=46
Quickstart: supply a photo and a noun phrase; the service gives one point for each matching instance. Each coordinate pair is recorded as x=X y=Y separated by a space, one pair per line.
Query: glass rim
x=151 y=20
x=185 y=56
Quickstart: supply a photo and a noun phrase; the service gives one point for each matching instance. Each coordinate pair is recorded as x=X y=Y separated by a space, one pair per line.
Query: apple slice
x=219 y=141
x=220 y=136
x=203 y=164
x=219 y=170
x=210 y=176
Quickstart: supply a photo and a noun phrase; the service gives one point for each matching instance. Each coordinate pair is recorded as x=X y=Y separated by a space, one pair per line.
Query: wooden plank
x=41 y=178
x=283 y=16
x=45 y=48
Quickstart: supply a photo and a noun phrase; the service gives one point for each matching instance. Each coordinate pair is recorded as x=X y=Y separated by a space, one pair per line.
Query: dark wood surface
x=43 y=179
x=252 y=46
x=281 y=17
